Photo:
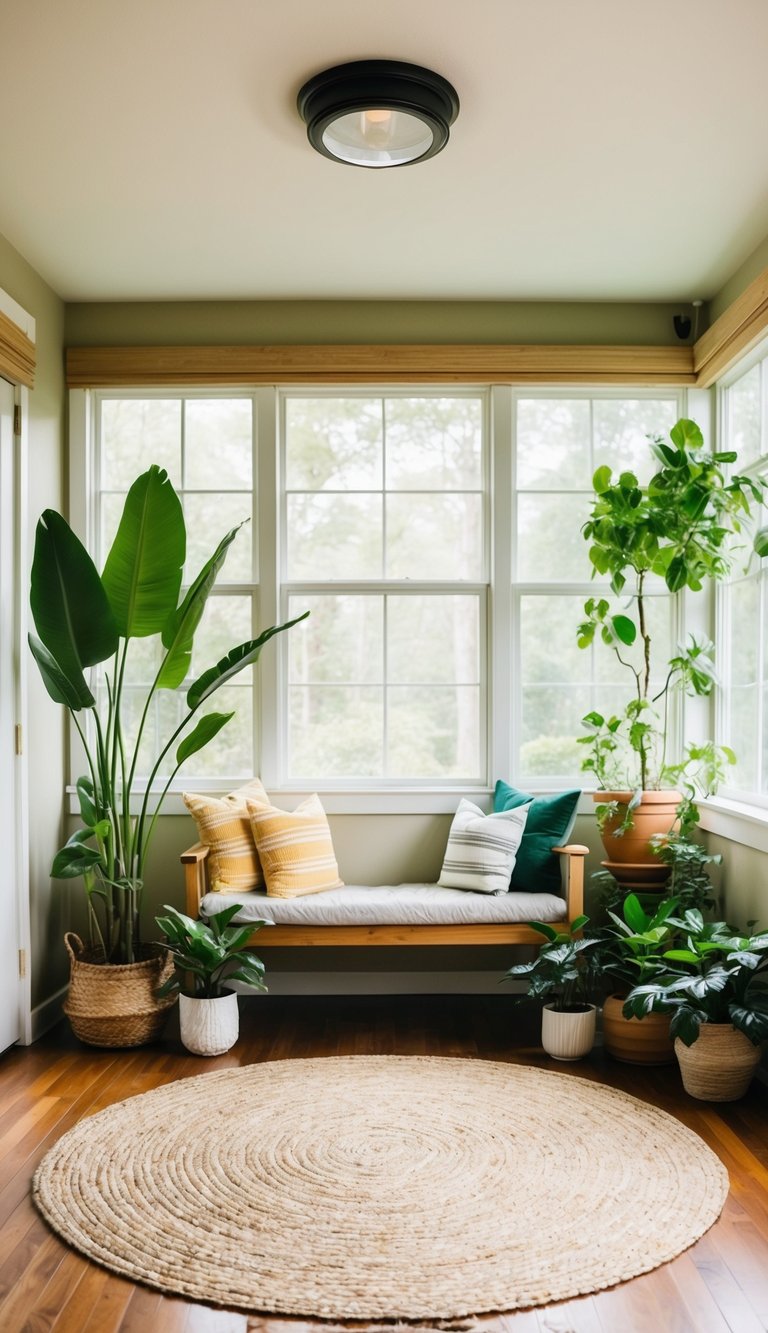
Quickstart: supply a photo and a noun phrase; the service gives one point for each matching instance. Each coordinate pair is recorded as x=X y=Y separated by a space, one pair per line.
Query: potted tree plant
x=563 y=970
x=84 y=620
x=716 y=989
x=206 y=957
x=679 y=528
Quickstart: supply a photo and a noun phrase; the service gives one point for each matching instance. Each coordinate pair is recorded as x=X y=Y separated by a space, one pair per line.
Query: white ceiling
x=605 y=149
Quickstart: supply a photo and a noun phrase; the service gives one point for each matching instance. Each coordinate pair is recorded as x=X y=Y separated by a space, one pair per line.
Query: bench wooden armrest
x=195 y=877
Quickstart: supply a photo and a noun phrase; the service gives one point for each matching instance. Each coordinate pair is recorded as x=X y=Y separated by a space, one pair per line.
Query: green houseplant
x=680 y=528
x=715 y=987
x=206 y=957
x=628 y=951
x=84 y=619
x=563 y=974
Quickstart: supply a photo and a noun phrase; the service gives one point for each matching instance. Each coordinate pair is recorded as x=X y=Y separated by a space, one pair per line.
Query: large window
x=742 y=614
x=560 y=442
x=435 y=536
x=384 y=542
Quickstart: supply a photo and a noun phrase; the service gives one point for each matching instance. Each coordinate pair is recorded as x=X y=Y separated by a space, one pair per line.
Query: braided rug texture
x=381 y=1187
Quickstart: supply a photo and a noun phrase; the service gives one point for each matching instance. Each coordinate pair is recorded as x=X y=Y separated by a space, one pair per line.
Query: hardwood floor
x=719 y=1285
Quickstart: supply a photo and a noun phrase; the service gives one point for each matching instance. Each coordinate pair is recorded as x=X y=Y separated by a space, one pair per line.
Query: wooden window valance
x=450 y=363
x=17 y=354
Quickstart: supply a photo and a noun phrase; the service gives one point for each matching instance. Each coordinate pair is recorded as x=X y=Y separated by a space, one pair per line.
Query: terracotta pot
x=568 y=1036
x=718 y=1067
x=636 y=1041
x=631 y=858
x=209 y=1027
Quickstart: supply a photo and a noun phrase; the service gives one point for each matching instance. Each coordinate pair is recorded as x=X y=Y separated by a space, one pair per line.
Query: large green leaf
x=142 y=575
x=179 y=629
x=208 y=727
x=235 y=661
x=70 y=690
x=69 y=605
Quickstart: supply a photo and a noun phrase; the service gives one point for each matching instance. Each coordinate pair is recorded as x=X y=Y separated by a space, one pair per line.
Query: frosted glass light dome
x=378 y=113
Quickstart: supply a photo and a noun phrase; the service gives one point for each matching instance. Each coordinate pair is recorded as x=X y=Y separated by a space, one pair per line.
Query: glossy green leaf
x=686 y=434
x=761 y=542
x=179 y=630
x=624 y=629
x=601 y=480
x=86 y=799
x=73 y=859
x=70 y=690
x=142 y=575
x=235 y=661
x=205 y=730
x=68 y=602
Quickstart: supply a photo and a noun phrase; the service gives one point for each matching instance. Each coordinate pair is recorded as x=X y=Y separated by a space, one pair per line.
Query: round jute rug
x=381 y=1187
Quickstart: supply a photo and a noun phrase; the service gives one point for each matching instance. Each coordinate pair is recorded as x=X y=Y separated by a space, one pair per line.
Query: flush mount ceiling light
x=378 y=113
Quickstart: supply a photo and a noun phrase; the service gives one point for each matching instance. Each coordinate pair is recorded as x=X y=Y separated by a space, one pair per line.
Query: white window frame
x=500 y=646
x=732 y=796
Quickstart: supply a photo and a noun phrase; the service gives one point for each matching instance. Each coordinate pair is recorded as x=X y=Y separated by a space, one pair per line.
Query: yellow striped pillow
x=295 y=848
x=224 y=827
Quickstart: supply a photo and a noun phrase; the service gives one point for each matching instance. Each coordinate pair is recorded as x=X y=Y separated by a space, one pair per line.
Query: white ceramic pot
x=209 y=1027
x=567 y=1036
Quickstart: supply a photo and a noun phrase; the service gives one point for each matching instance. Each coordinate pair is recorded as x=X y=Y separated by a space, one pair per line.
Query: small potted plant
x=206 y=957
x=716 y=990
x=562 y=970
x=678 y=529
x=629 y=951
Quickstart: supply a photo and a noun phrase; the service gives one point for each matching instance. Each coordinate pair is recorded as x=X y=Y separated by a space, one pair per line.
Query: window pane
x=744 y=416
x=333 y=444
x=433 y=640
x=218 y=444
x=743 y=636
x=434 y=536
x=622 y=427
x=549 y=541
x=433 y=732
x=226 y=623
x=743 y=737
x=434 y=443
x=334 y=537
x=208 y=519
x=136 y=432
x=553 y=444
x=342 y=641
x=335 y=731
x=551 y=724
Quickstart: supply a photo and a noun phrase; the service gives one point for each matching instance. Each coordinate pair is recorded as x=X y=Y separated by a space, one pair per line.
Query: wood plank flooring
x=720 y=1285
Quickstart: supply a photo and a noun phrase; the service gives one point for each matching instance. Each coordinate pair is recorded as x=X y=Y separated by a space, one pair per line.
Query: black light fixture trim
x=364 y=85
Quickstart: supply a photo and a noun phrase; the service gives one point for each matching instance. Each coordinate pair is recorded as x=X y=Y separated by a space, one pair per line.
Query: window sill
x=735 y=820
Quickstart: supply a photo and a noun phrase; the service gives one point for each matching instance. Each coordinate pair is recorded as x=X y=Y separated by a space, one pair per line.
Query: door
x=10 y=988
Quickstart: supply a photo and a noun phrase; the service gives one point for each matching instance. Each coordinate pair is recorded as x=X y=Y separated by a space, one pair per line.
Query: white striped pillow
x=482 y=848
x=295 y=848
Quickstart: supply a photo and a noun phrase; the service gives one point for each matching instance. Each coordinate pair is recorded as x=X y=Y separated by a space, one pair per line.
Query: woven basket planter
x=718 y=1067
x=115 y=1004
x=636 y=1041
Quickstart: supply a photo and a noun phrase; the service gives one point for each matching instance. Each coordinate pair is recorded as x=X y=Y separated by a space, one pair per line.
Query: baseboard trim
x=47 y=1014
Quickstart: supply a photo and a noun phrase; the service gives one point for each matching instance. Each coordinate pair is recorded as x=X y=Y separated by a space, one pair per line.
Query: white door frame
x=20 y=654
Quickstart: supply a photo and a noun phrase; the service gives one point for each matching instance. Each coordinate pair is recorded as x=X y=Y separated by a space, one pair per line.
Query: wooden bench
x=194 y=862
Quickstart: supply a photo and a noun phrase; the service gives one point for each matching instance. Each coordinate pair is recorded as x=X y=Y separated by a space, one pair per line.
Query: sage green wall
x=45 y=740
x=737 y=282
x=264 y=322
x=742 y=882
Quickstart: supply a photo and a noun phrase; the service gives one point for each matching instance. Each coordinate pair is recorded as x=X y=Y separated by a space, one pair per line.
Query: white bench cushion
x=391 y=905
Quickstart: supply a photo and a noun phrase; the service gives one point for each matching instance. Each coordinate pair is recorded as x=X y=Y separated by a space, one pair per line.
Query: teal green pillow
x=550 y=824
